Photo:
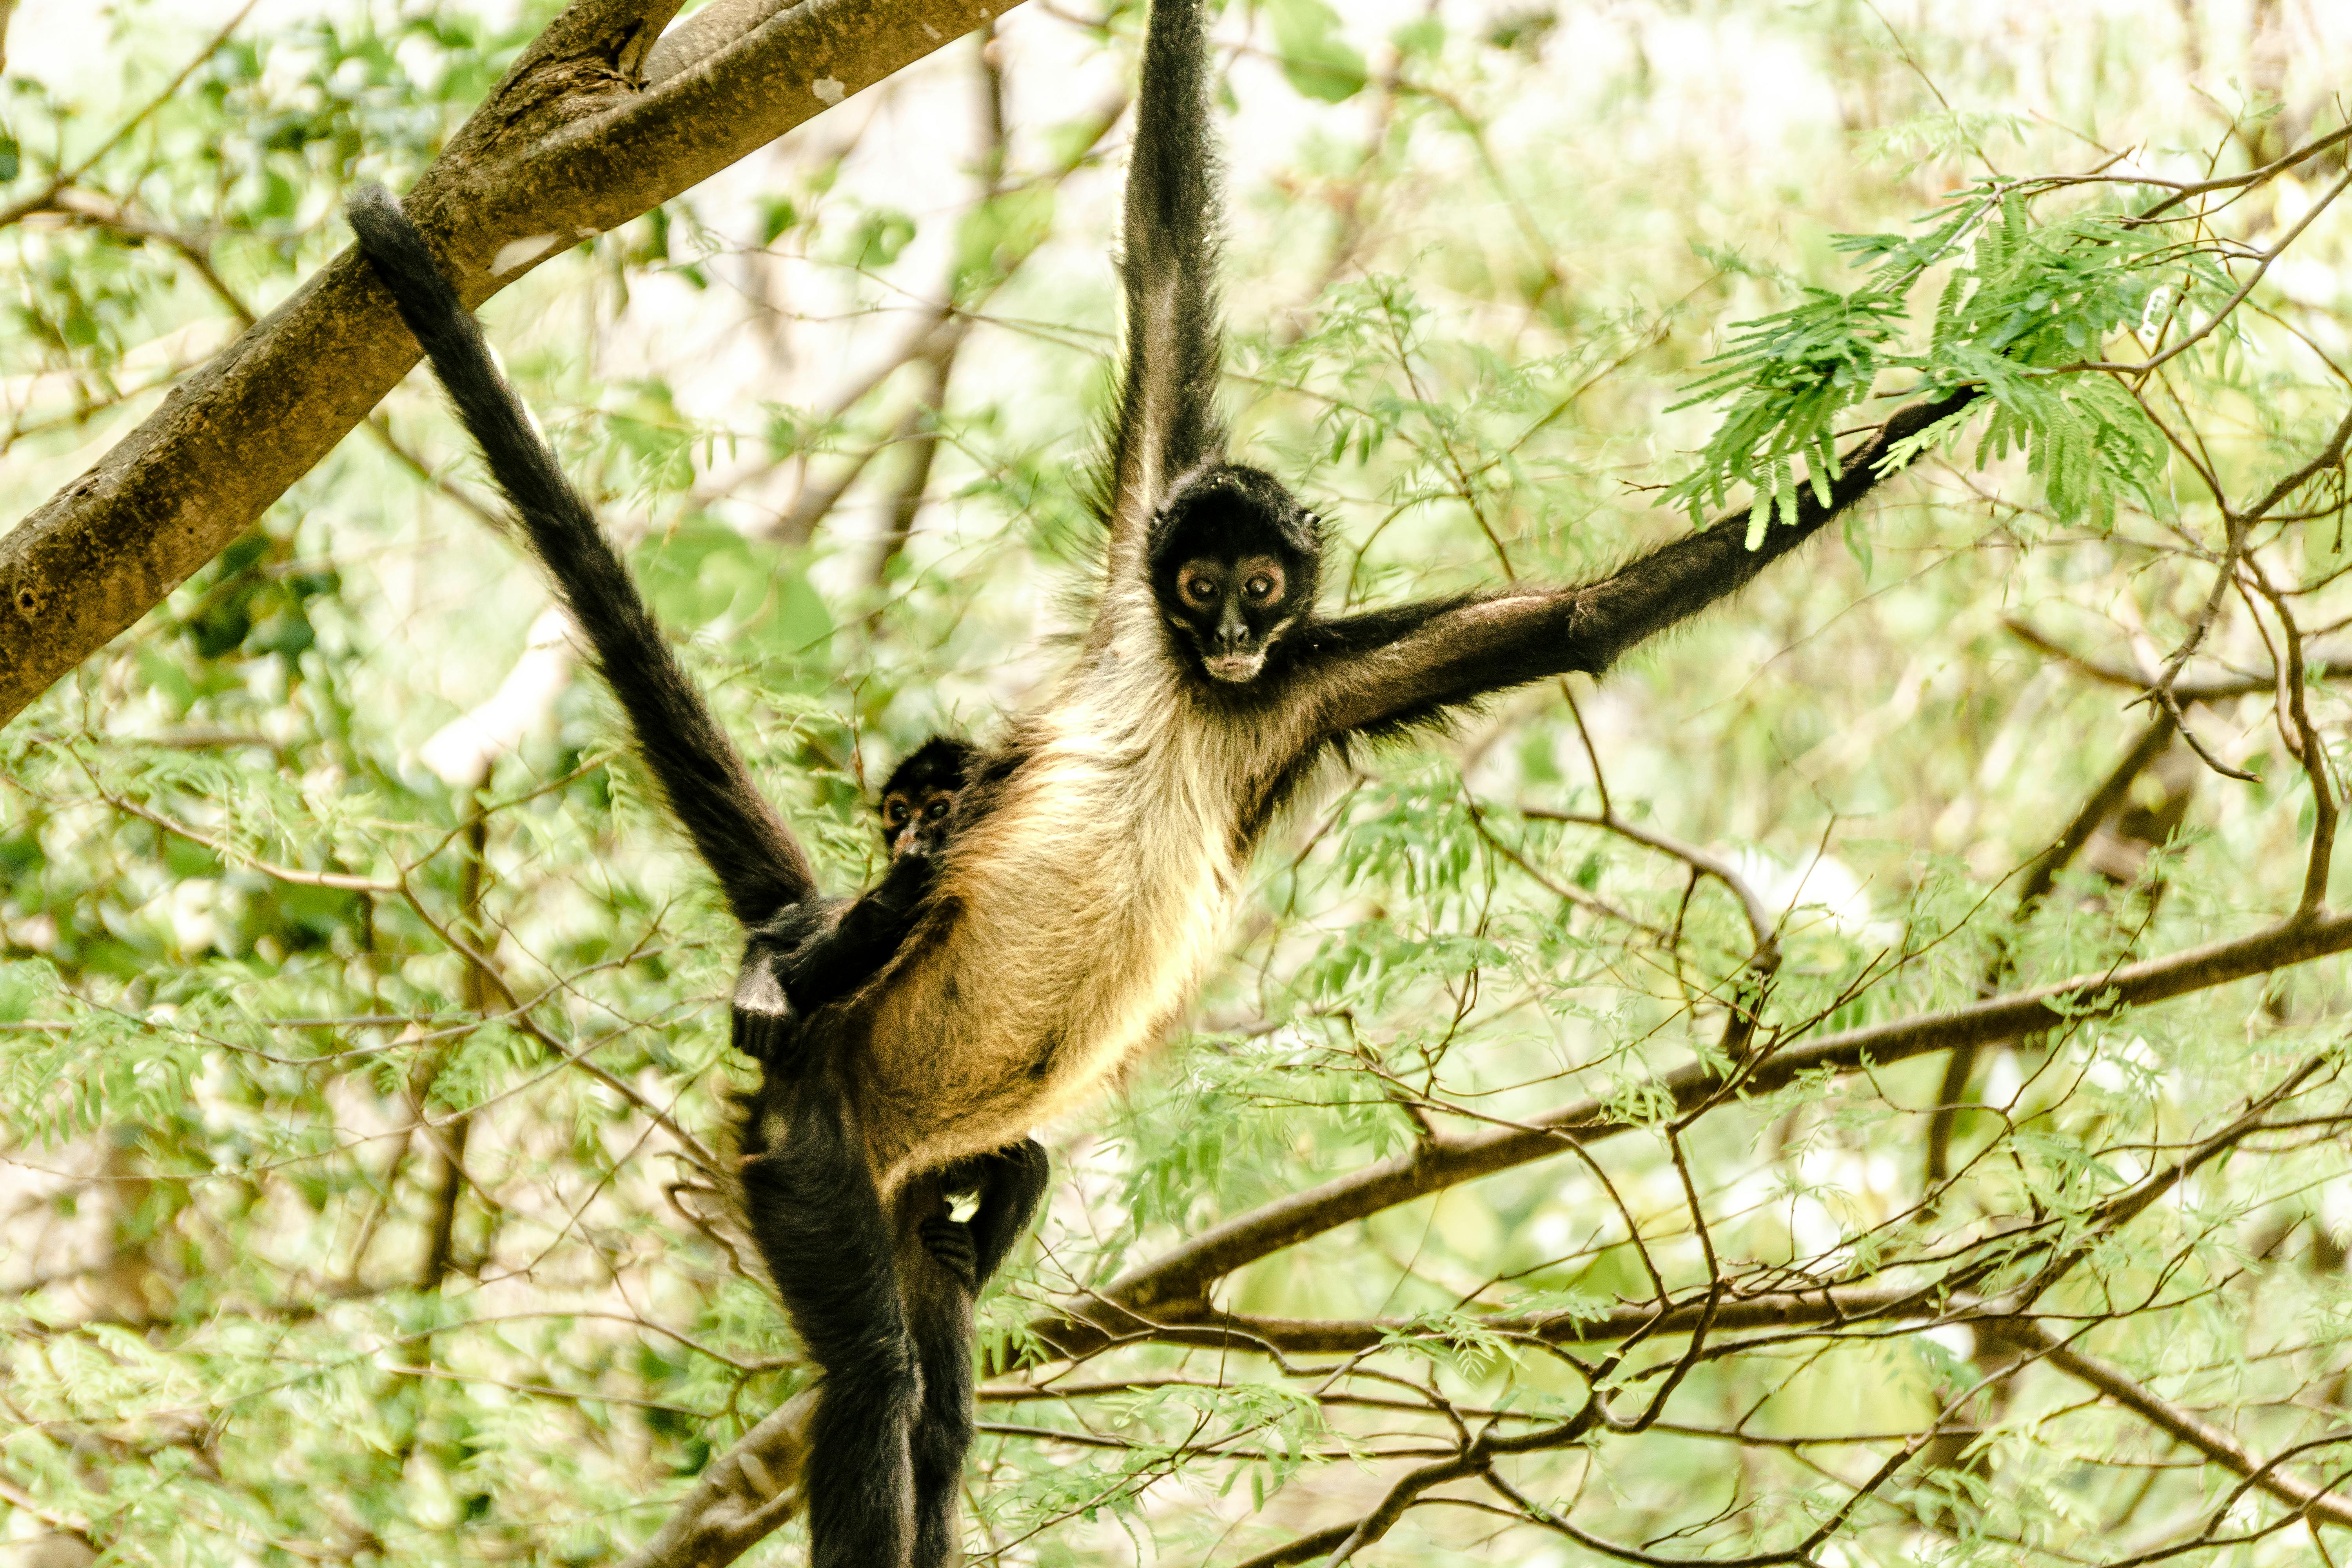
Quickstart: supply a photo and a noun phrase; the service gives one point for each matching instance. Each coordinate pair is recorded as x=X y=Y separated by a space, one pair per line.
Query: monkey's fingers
x=774 y=1040
x=949 y=1245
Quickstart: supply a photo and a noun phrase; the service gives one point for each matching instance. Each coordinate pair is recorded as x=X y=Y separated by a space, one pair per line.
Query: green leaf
x=1316 y=60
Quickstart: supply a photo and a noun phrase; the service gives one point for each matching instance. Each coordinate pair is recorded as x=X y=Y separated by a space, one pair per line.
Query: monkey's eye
x=894 y=814
x=1259 y=587
x=937 y=809
x=1199 y=589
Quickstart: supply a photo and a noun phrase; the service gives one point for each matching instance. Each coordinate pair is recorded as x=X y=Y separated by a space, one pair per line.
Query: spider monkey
x=795 y=964
x=880 y=1294
x=816 y=951
x=1091 y=861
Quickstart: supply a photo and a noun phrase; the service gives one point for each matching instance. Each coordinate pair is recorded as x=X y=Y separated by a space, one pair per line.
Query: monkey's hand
x=762 y=1023
x=1010 y=1183
x=949 y=1241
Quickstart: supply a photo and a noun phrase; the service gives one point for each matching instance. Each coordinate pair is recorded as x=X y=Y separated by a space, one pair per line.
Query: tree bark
x=595 y=124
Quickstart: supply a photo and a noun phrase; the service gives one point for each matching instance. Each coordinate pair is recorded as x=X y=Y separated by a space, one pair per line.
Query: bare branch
x=2212 y=1442
x=2188 y=689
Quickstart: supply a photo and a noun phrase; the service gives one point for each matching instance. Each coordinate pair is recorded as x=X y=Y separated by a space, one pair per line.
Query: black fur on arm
x=830 y=965
x=1167 y=418
x=1387 y=670
x=737 y=833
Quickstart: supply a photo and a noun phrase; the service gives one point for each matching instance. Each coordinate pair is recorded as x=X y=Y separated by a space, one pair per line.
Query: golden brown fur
x=1080 y=903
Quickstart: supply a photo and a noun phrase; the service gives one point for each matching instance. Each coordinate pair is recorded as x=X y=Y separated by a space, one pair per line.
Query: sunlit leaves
x=2029 y=305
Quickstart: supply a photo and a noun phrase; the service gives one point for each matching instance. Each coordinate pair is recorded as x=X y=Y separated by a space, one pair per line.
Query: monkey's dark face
x=915 y=822
x=1234 y=560
x=920 y=794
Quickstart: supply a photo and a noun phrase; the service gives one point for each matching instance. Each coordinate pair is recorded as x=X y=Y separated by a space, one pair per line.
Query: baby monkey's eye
x=895 y=812
x=937 y=809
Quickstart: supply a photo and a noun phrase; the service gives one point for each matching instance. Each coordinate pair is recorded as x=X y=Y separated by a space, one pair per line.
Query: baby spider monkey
x=818 y=949
x=877 y=1325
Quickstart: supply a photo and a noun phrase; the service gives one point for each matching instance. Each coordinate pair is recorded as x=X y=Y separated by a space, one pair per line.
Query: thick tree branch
x=740 y=1498
x=572 y=142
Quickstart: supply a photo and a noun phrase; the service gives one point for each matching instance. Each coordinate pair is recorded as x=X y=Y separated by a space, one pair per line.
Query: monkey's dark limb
x=821 y=1227
x=1167 y=418
x=735 y=830
x=829 y=967
x=1678 y=581
x=1389 y=669
x=942 y=1274
x=1010 y=1181
x=796 y=962
x=763 y=1024
x=938 y=1316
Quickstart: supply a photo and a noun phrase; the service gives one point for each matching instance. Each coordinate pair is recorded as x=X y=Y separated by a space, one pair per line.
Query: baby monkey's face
x=915 y=821
x=919 y=798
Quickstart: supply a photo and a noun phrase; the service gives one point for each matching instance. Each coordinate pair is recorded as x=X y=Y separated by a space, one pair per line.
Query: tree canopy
x=1862 y=1084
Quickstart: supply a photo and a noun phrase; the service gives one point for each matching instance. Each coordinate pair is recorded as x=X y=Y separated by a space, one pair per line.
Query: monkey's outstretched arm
x=737 y=833
x=1389 y=669
x=1167 y=418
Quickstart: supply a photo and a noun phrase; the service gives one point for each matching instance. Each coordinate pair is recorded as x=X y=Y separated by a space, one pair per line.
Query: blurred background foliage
x=362 y=1071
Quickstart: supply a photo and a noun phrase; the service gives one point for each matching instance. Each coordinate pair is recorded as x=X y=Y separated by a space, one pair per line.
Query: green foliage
x=362 y=1116
x=2029 y=306
x=1316 y=61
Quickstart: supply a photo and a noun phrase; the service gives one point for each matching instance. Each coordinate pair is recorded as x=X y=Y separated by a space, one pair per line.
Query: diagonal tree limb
x=2008 y=1315
x=2185 y=1426
x=740 y=1496
x=590 y=127
x=1177 y=1283
x=1954 y=1295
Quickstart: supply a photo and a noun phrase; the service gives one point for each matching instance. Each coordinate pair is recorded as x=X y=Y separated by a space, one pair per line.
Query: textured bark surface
x=593 y=125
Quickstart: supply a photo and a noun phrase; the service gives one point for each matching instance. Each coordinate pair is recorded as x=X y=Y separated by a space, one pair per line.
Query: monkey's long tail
x=739 y=835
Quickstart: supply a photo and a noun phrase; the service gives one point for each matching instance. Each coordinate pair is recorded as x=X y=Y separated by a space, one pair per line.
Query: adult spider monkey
x=1090 y=864
x=881 y=1295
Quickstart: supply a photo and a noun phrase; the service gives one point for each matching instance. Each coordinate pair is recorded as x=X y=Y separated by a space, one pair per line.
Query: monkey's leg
x=1012 y=1182
x=830 y=1246
x=939 y=1311
x=1007 y=1185
x=944 y=1270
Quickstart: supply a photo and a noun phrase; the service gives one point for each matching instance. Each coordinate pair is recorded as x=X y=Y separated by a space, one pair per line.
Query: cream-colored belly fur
x=1086 y=912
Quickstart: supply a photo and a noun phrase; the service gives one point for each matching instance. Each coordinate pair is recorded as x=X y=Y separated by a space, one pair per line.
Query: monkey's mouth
x=1235 y=666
